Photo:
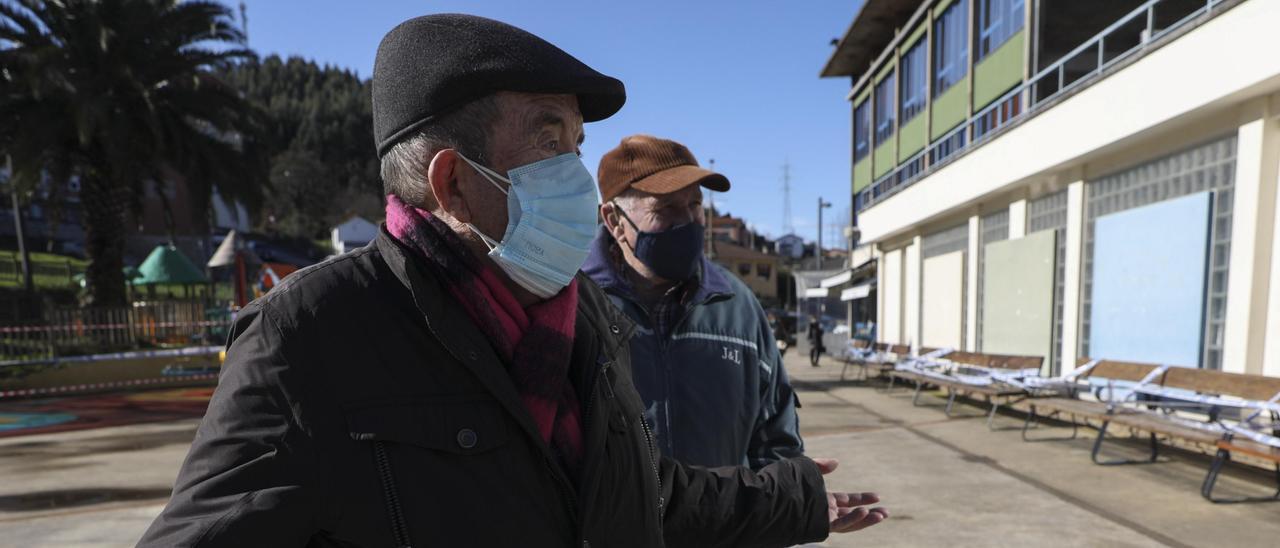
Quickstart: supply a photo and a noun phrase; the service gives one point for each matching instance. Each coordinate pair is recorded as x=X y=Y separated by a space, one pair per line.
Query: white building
x=354 y=233
x=1083 y=178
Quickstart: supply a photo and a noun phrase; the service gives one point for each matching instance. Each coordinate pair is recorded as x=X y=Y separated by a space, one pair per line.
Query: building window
x=744 y=269
x=884 y=109
x=998 y=20
x=950 y=46
x=1050 y=213
x=861 y=130
x=763 y=270
x=913 y=69
x=1209 y=167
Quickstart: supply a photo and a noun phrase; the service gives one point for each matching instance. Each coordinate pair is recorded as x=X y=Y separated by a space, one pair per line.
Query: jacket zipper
x=653 y=462
x=399 y=528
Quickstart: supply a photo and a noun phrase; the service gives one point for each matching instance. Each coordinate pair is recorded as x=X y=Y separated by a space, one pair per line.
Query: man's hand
x=846 y=512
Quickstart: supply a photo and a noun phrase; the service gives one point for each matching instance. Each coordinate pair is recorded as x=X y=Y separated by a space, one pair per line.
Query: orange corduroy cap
x=653 y=165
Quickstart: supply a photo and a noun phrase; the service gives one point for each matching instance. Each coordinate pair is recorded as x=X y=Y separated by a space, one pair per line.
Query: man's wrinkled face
x=530 y=128
x=654 y=212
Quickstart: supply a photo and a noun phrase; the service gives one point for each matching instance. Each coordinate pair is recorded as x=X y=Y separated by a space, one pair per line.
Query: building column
x=1252 y=222
x=1072 y=276
x=889 y=294
x=971 y=285
x=913 y=270
x=1018 y=219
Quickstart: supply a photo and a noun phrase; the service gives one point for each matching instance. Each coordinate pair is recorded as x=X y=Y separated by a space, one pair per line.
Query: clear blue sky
x=734 y=81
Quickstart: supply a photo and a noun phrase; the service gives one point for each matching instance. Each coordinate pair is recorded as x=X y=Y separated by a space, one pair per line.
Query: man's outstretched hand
x=847 y=512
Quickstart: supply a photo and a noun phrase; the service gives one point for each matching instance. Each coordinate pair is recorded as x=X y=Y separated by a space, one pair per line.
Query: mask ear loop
x=618 y=208
x=487 y=173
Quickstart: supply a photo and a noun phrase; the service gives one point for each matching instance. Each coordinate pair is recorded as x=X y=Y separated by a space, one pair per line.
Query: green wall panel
x=949 y=109
x=1017 y=296
x=884 y=159
x=999 y=72
x=862 y=174
x=940 y=7
x=912 y=137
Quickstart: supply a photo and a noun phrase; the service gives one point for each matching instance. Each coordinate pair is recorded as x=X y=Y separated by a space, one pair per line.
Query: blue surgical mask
x=551 y=221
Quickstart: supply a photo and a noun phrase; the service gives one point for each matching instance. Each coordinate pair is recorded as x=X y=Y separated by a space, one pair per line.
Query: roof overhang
x=874 y=27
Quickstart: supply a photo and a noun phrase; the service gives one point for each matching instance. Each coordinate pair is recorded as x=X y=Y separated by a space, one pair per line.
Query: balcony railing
x=1134 y=33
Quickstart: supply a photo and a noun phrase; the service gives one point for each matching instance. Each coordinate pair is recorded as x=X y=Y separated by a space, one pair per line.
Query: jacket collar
x=601 y=268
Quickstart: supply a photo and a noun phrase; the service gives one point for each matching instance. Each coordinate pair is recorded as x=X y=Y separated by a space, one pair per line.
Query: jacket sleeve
x=782 y=504
x=777 y=426
x=250 y=475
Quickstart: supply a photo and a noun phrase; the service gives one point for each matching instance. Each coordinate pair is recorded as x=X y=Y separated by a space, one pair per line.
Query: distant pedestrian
x=816 y=347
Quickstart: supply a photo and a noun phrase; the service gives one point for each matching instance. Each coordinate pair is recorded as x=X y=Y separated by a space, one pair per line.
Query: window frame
x=956 y=15
x=889 y=84
x=864 y=129
x=990 y=33
x=910 y=70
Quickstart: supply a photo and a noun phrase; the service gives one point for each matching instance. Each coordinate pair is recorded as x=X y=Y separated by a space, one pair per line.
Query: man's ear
x=443 y=176
x=612 y=220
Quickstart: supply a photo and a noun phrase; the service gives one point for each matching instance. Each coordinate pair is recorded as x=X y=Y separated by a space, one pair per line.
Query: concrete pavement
x=946 y=481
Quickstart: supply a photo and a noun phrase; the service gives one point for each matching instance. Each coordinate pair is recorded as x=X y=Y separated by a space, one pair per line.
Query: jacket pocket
x=460 y=427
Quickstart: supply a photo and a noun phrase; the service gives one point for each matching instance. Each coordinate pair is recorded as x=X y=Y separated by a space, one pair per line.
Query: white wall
x=1252 y=227
x=1232 y=57
x=890 y=294
x=912 y=273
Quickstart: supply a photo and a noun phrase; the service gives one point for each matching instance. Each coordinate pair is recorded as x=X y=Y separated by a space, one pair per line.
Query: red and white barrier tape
x=103 y=385
x=85 y=327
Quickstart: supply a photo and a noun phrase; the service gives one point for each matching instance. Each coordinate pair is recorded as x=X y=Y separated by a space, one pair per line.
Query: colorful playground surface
x=20 y=417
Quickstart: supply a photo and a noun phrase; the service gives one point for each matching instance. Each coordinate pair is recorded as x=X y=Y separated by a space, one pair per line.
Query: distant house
x=758 y=270
x=354 y=233
x=790 y=246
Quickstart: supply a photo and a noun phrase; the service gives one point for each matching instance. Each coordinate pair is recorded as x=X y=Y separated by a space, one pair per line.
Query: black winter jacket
x=359 y=406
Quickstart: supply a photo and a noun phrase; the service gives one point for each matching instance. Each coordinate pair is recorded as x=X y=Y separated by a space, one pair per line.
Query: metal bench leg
x=1220 y=460
x=915 y=399
x=843 y=369
x=1097 y=447
x=991 y=417
x=1031 y=419
x=951 y=400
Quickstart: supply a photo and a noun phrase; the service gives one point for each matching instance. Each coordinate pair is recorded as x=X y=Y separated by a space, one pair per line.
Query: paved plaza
x=946 y=481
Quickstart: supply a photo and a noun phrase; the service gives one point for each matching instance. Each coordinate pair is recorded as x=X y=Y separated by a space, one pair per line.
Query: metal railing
x=78 y=331
x=1079 y=68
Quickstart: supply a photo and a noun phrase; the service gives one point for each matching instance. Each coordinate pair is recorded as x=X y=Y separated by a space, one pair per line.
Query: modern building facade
x=1071 y=178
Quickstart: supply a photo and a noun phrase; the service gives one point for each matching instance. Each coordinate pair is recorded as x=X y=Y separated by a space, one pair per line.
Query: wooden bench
x=882 y=364
x=1193 y=405
x=995 y=392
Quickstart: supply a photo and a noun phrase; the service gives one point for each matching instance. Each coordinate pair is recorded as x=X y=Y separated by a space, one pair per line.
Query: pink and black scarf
x=535 y=342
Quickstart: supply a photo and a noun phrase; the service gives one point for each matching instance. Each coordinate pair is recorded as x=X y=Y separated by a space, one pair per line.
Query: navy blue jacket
x=714 y=388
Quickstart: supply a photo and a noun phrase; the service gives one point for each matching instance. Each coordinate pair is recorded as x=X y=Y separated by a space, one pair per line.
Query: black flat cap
x=430 y=65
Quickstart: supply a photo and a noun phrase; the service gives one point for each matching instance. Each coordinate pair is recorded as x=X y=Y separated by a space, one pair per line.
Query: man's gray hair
x=404 y=166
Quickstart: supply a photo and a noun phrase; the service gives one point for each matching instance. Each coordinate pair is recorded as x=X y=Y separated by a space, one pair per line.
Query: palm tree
x=121 y=94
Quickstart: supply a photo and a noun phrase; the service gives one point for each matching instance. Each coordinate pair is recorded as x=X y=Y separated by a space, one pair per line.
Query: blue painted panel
x=1149 y=268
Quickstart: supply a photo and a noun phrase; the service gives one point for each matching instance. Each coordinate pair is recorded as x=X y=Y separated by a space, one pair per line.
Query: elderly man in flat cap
x=457 y=383
x=704 y=358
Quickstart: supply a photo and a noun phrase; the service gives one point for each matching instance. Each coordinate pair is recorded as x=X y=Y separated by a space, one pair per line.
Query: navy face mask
x=672 y=253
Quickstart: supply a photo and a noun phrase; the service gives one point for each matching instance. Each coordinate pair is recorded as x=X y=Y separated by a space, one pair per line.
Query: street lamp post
x=821 y=206
x=24 y=257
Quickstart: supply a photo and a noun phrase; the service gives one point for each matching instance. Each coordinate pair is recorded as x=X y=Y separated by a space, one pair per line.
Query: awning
x=839 y=279
x=816 y=293
x=860 y=291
